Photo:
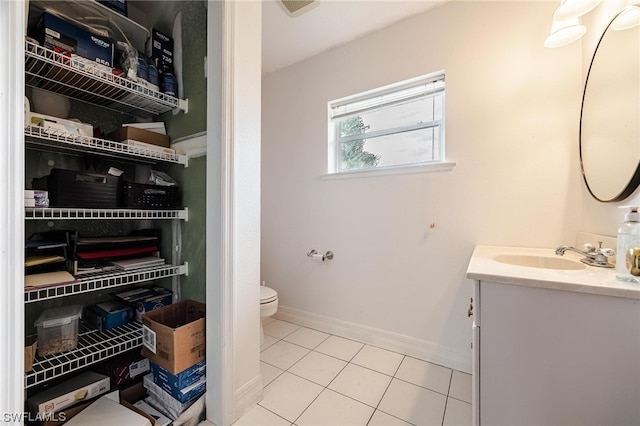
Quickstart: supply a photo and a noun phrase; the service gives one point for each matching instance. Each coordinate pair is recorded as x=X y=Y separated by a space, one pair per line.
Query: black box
x=69 y=188
x=162 y=51
x=144 y=196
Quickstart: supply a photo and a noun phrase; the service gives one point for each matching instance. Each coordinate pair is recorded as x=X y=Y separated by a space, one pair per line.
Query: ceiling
x=326 y=24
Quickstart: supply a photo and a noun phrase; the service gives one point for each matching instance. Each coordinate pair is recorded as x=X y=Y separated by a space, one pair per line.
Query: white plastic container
x=58 y=329
x=628 y=238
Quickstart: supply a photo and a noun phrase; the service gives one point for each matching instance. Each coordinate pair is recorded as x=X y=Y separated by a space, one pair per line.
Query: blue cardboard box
x=66 y=37
x=109 y=315
x=166 y=380
x=192 y=391
x=147 y=299
x=160 y=299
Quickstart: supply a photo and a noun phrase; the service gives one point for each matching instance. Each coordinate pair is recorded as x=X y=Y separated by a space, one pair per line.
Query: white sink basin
x=539 y=261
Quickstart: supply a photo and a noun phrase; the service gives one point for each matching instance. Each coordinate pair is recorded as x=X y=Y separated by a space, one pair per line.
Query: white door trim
x=12 y=32
x=220 y=207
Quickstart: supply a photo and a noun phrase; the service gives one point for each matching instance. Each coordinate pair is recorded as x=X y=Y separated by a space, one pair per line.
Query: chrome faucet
x=592 y=256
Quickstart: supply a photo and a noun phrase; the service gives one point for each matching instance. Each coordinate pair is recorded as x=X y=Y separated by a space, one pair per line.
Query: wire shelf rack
x=52 y=140
x=39 y=213
x=103 y=280
x=88 y=81
x=93 y=346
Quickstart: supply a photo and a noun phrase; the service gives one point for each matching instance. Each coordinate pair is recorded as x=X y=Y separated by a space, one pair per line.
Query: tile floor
x=314 y=378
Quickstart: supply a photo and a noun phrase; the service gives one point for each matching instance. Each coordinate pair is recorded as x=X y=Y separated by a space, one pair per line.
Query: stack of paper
x=139 y=262
x=36 y=198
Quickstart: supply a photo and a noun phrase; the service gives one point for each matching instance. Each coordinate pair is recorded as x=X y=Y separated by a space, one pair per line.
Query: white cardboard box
x=107 y=412
x=79 y=388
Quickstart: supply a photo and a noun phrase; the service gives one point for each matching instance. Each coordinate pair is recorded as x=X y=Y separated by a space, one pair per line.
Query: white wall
x=512 y=114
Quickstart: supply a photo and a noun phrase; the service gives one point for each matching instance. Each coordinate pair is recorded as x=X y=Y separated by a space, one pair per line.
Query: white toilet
x=268 y=306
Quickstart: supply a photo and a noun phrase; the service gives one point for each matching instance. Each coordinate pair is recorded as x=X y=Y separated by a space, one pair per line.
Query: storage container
x=58 y=329
x=69 y=188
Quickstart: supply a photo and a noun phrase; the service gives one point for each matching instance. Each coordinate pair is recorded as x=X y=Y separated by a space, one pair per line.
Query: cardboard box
x=30 y=347
x=123 y=368
x=105 y=316
x=163 y=400
x=66 y=37
x=61 y=126
x=147 y=299
x=169 y=382
x=107 y=412
x=162 y=50
x=78 y=388
x=159 y=419
x=133 y=391
x=59 y=418
x=174 y=336
x=140 y=135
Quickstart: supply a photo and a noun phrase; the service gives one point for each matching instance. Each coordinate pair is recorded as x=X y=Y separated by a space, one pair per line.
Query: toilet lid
x=267 y=294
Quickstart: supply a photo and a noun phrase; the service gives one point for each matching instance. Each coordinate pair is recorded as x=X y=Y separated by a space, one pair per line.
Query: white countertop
x=592 y=279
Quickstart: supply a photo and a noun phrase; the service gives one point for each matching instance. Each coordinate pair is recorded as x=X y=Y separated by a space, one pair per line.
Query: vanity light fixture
x=564 y=32
x=570 y=9
x=566 y=28
x=628 y=18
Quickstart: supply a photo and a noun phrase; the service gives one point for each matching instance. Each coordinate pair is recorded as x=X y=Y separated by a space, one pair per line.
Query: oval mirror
x=610 y=117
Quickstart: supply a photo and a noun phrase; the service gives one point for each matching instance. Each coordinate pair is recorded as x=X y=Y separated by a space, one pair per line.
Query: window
x=397 y=125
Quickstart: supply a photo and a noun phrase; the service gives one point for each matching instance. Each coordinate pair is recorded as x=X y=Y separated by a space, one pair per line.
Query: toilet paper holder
x=314 y=255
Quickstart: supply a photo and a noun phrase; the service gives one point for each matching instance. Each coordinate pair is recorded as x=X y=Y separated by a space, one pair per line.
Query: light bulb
x=628 y=18
x=564 y=32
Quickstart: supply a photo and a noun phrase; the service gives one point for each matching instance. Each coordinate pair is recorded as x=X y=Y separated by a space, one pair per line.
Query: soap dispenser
x=628 y=238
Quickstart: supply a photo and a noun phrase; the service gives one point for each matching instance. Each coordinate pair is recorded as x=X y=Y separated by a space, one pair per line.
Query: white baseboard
x=247 y=397
x=417 y=348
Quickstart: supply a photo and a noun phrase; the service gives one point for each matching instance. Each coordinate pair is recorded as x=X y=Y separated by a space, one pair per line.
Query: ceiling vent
x=297 y=7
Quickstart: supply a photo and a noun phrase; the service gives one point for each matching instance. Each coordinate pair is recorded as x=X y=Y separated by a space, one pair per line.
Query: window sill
x=444 y=166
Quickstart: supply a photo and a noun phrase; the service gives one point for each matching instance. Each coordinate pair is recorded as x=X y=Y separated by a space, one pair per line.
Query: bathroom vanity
x=555 y=342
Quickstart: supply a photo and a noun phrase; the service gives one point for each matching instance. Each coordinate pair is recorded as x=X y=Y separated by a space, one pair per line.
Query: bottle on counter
x=628 y=240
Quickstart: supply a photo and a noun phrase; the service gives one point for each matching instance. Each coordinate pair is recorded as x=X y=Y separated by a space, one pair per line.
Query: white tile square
x=360 y=383
x=259 y=416
x=268 y=341
x=425 y=374
x=458 y=413
x=380 y=418
x=307 y=337
x=288 y=396
x=279 y=329
x=461 y=386
x=318 y=368
x=283 y=354
x=269 y=373
x=331 y=408
x=339 y=347
x=413 y=404
x=380 y=360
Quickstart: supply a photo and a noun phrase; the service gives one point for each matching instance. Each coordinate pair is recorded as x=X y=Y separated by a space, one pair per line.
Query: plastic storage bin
x=58 y=329
x=69 y=188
